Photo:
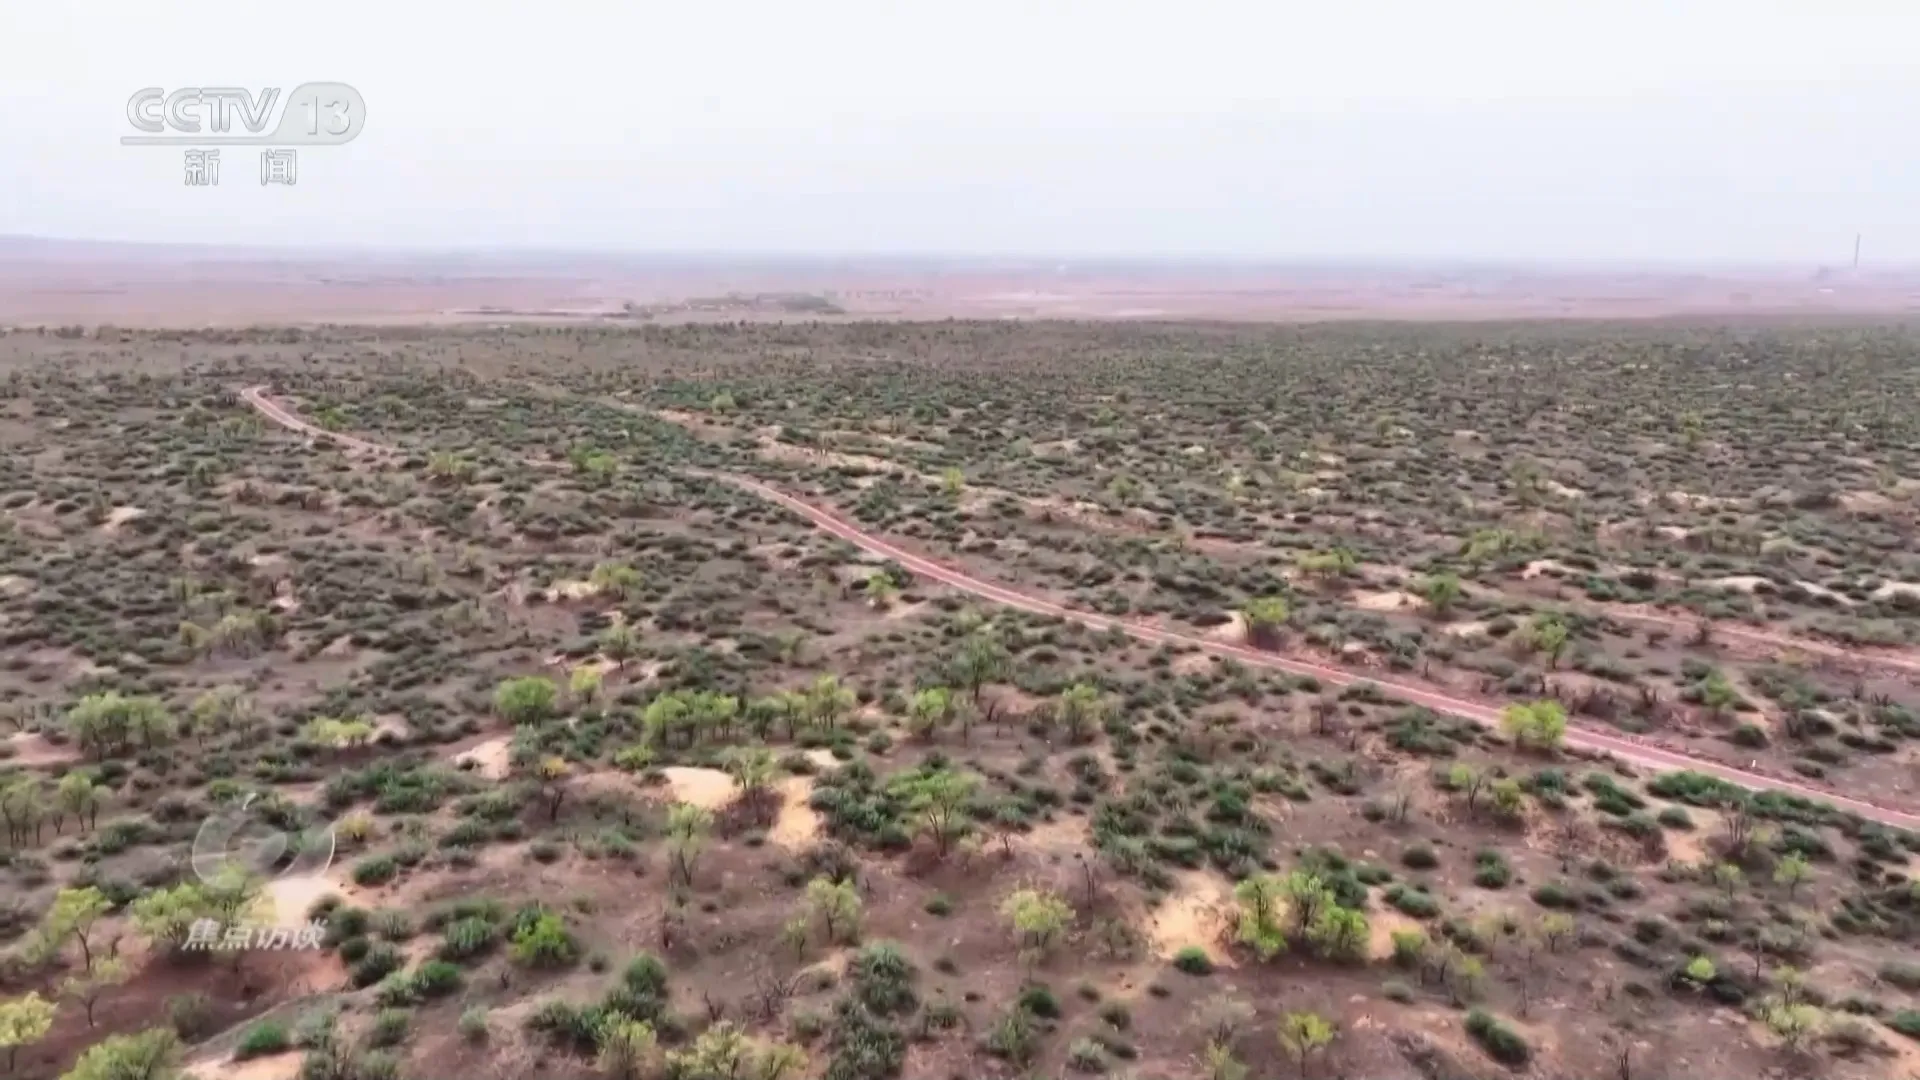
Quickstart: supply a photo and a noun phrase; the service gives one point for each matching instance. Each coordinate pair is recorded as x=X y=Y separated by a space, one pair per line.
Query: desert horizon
x=47 y=281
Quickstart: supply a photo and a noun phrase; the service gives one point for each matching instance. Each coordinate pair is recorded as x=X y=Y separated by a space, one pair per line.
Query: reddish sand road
x=1628 y=748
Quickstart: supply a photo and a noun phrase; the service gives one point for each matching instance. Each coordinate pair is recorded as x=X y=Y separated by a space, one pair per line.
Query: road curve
x=1628 y=748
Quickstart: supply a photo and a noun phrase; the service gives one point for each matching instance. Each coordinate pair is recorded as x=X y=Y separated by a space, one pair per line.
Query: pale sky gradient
x=1634 y=130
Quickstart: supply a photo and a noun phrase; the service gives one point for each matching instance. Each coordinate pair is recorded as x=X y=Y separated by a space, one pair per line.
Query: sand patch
x=906 y=611
x=1382 y=923
x=1063 y=833
x=1814 y=588
x=278 y=1067
x=119 y=516
x=798 y=825
x=1393 y=600
x=570 y=590
x=1689 y=846
x=293 y=897
x=1864 y=502
x=710 y=788
x=1466 y=629
x=1233 y=631
x=492 y=759
x=33 y=748
x=1894 y=589
x=823 y=758
x=1538 y=567
x=1194 y=915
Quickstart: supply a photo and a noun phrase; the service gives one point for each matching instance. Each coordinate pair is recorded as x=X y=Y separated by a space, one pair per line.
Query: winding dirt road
x=1628 y=748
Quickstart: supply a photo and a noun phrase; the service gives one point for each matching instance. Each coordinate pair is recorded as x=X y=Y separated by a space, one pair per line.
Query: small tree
x=1079 y=710
x=527 y=700
x=1339 y=933
x=752 y=769
x=1261 y=897
x=939 y=798
x=73 y=915
x=1792 y=871
x=1547 y=635
x=688 y=827
x=836 y=904
x=982 y=660
x=629 y=1049
x=1303 y=1034
x=1540 y=724
x=1441 y=591
x=929 y=710
x=1793 y=1024
x=87 y=987
x=584 y=682
x=149 y=1055
x=1038 y=918
x=619 y=643
x=1468 y=781
x=1266 y=618
x=1729 y=877
x=23 y=1022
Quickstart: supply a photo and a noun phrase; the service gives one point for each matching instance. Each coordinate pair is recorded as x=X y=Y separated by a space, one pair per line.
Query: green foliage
x=544 y=942
x=530 y=699
x=1501 y=1042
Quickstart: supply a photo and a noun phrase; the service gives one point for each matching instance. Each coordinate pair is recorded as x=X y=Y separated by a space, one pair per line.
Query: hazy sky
x=1740 y=130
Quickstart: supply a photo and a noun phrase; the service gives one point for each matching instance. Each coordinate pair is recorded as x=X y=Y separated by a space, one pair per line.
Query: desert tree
x=615 y=579
x=1539 y=724
x=73 y=914
x=628 y=1049
x=23 y=1022
x=938 y=797
x=836 y=906
x=827 y=700
x=1547 y=634
x=584 y=683
x=1468 y=781
x=752 y=770
x=1304 y=1034
x=1038 y=917
x=1262 y=898
x=1441 y=592
x=688 y=828
x=1079 y=709
x=87 y=986
x=1340 y=933
x=1266 y=618
x=619 y=643
x=1792 y=871
x=982 y=660
x=529 y=699
x=929 y=710
x=153 y=1054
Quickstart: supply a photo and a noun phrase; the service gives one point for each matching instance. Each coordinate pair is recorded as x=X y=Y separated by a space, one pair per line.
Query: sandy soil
x=798 y=825
x=1387 y=601
x=1194 y=915
x=51 y=282
x=33 y=748
x=119 y=516
x=492 y=759
x=710 y=788
x=278 y=1067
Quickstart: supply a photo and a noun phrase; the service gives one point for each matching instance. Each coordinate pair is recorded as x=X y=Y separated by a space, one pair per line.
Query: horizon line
x=1062 y=260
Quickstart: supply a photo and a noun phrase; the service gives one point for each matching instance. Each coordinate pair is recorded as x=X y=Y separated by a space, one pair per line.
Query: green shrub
x=1501 y=1042
x=266 y=1037
x=1193 y=960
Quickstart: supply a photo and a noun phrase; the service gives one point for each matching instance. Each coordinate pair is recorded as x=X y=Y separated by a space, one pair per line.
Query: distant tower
x=1856 y=251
